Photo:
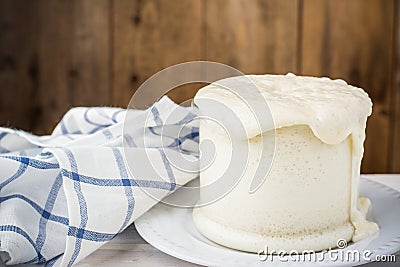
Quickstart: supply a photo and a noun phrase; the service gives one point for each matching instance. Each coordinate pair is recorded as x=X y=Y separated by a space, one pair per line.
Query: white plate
x=172 y=231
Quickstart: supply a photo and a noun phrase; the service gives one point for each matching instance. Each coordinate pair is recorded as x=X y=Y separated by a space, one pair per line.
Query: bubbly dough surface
x=332 y=109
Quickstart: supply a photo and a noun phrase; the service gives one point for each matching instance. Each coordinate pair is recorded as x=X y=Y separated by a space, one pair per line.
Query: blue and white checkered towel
x=63 y=196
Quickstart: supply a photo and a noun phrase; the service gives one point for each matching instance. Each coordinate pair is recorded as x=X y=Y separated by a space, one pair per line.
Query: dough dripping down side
x=305 y=197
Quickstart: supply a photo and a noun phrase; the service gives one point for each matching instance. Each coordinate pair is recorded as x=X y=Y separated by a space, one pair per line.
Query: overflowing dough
x=310 y=198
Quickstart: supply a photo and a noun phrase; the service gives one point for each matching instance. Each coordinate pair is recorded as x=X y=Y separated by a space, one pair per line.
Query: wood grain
x=395 y=155
x=18 y=63
x=56 y=54
x=73 y=58
x=149 y=36
x=129 y=249
x=253 y=36
x=353 y=40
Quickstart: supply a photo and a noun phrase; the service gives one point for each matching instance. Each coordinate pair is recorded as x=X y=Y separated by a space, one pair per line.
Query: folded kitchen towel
x=64 y=195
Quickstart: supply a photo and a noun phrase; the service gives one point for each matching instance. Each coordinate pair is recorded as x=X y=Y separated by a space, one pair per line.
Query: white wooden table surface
x=129 y=249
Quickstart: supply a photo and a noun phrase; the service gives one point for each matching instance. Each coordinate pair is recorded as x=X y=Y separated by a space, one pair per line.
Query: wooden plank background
x=394 y=164
x=57 y=54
